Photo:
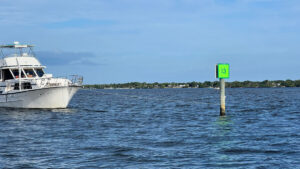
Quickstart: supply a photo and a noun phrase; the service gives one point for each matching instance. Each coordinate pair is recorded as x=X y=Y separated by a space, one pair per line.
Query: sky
x=119 y=41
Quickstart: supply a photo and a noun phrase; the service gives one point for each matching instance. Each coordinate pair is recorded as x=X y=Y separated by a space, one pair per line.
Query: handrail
x=76 y=79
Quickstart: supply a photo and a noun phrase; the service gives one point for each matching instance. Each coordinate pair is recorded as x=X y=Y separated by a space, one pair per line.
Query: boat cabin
x=18 y=67
x=19 y=63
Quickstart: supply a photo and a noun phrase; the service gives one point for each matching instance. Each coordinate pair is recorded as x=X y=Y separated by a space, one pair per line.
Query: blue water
x=157 y=128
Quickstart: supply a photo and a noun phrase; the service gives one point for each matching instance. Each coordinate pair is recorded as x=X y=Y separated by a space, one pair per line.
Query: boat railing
x=17 y=55
x=76 y=80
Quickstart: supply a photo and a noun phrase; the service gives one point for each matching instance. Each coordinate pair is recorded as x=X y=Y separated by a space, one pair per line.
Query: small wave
x=9 y=155
x=169 y=143
x=94 y=110
x=250 y=151
x=67 y=110
x=182 y=105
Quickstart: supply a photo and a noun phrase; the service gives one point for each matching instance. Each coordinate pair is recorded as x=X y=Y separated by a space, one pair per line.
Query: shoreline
x=206 y=84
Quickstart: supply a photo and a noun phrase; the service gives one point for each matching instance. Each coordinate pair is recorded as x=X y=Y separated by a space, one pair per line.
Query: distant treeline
x=206 y=84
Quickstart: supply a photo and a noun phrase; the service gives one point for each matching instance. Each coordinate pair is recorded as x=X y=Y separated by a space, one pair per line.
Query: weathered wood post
x=222 y=72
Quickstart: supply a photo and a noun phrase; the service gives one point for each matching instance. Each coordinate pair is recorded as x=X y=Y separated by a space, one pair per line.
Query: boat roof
x=16 y=46
x=16 y=61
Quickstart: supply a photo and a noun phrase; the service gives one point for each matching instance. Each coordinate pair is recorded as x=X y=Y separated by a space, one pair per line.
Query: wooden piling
x=222 y=97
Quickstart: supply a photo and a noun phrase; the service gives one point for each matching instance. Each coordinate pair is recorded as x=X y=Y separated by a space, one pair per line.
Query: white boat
x=23 y=83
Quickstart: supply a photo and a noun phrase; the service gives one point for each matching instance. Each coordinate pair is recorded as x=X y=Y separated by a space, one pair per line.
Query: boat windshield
x=39 y=72
x=29 y=73
x=6 y=74
x=16 y=73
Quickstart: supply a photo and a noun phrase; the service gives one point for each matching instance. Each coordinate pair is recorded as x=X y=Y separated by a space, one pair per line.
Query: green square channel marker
x=222 y=71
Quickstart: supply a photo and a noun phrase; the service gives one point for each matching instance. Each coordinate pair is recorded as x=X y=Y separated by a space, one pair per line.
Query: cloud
x=67 y=58
x=155 y=35
x=62 y=13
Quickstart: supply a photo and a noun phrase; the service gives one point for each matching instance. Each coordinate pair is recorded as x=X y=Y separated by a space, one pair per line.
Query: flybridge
x=17 y=50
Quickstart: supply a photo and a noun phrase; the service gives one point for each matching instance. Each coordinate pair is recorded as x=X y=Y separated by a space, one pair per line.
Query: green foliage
x=206 y=84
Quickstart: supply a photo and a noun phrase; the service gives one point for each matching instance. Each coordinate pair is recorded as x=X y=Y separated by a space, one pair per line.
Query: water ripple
x=159 y=128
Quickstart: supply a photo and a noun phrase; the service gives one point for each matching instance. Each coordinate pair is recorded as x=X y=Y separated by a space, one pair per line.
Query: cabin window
x=29 y=73
x=6 y=74
x=39 y=72
x=16 y=73
x=25 y=85
x=16 y=86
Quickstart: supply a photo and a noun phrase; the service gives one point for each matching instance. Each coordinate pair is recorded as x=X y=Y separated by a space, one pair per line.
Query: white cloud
x=67 y=58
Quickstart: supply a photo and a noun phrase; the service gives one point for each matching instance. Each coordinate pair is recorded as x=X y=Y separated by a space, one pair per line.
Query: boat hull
x=52 y=97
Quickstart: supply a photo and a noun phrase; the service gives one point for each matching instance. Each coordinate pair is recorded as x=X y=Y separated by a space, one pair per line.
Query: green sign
x=222 y=71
